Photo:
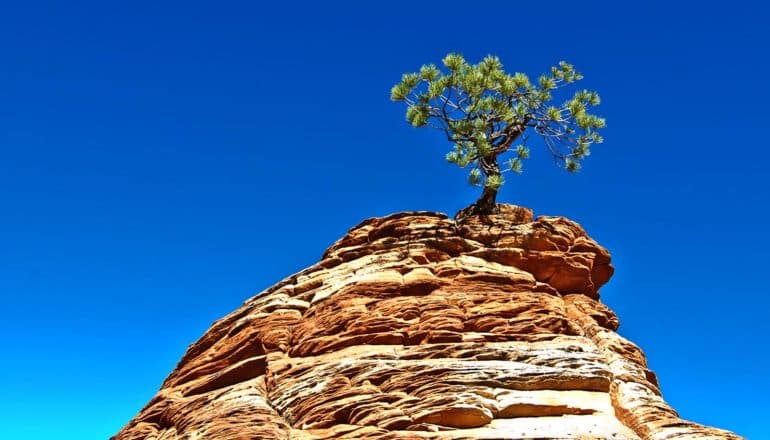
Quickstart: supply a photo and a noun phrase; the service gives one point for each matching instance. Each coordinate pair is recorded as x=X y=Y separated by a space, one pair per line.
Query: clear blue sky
x=163 y=161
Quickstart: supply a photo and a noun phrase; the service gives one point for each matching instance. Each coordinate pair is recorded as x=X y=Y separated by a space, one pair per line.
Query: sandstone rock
x=415 y=326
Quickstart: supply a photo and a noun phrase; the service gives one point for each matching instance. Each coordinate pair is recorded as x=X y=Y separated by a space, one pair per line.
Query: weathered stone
x=415 y=326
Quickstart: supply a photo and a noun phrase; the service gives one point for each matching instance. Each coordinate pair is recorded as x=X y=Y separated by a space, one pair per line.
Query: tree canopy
x=487 y=114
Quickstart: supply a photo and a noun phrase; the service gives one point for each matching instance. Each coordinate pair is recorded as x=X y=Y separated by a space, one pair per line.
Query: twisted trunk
x=487 y=203
x=488 y=200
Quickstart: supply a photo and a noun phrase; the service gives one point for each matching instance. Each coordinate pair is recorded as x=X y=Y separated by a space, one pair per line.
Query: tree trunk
x=487 y=202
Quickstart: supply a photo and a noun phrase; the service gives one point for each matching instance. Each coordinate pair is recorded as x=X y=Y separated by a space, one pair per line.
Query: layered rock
x=416 y=326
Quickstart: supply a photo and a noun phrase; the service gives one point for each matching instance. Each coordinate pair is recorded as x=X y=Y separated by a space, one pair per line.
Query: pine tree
x=487 y=114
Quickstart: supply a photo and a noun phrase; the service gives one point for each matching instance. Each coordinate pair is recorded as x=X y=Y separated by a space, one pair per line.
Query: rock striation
x=417 y=326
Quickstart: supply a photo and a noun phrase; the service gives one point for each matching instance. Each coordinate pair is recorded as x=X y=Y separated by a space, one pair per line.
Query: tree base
x=476 y=209
x=513 y=213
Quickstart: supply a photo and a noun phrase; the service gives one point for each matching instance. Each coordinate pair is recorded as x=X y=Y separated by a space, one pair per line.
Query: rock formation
x=416 y=326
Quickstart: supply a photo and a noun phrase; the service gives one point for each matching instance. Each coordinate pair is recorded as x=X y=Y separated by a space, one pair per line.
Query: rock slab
x=417 y=326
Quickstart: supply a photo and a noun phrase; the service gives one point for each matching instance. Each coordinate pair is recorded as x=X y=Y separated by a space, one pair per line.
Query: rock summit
x=417 y=326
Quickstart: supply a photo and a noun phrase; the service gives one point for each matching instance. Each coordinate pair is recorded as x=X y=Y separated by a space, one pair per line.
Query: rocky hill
x=417 y=326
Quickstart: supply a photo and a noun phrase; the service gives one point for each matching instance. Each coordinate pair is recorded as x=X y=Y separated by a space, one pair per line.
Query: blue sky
x=163 y=161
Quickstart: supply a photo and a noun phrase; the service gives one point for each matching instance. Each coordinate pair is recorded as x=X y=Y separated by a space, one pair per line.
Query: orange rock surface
x=416 y=326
